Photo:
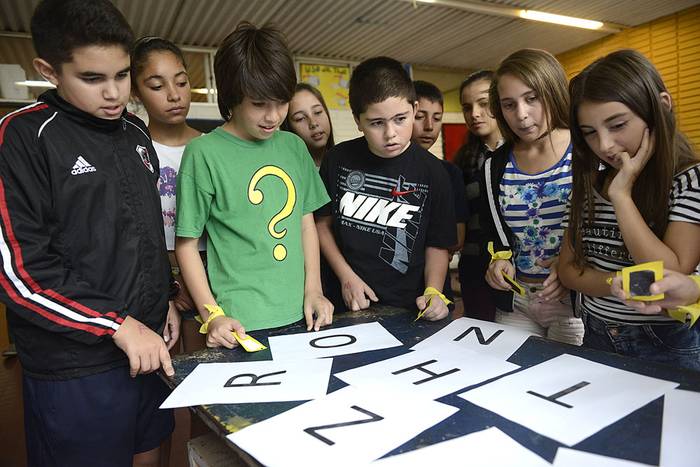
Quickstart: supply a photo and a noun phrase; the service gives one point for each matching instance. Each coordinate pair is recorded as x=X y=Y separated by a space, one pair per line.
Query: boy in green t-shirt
x=254 y=190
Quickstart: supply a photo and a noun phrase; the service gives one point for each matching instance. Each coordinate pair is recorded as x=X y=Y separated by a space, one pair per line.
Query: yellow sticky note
x=249 y=344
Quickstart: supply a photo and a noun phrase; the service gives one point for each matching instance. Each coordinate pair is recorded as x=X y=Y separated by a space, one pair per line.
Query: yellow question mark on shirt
x=255 y=196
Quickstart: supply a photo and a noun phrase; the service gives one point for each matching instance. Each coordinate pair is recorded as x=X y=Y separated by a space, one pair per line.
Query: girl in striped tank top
x=636 y=198
x=526 y=188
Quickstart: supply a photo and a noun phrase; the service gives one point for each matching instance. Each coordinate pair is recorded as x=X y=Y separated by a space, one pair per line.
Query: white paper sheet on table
x=589 y=397
x=304 y=433
x=431 y=372
x=680 y=429
x=490 y=447
x=265 y=381
x=332 y=342
x=498 y=340
x=571 y=458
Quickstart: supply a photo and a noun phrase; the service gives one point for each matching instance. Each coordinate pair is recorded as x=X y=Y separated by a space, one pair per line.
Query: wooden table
x=635 y=437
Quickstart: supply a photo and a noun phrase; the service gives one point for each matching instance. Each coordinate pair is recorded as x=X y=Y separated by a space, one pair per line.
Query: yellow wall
x=673 y=45
x=452 y=100
x=447 y=81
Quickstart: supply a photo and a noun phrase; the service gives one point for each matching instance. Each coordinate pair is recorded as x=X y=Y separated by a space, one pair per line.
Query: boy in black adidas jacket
x=85 y=274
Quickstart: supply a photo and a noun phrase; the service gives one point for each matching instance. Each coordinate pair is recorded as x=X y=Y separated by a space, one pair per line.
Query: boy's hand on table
x=221 y=331
x=435 y=311
x=315 y=304
x=171 y=332
x=145 y=349
x=356 y=293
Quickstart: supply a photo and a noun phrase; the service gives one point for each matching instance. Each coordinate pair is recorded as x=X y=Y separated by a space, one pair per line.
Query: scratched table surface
x=635 y=437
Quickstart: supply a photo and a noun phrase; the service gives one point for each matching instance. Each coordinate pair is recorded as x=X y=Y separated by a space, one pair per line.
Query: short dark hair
x=377 y=79
x=253 y=62
x=61 y=26
x=426 y=90
x=143 y=47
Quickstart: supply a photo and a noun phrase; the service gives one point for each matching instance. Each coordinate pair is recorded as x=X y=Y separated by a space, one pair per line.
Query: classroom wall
x=447 y=81
x=452 y=99
x=672 y=43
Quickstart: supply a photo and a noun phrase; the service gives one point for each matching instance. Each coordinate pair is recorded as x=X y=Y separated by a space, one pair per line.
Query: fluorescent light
x=34 y=84
x=559 y=19
x=203 y=91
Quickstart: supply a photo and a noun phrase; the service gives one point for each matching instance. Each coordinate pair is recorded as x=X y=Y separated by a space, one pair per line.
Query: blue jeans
x=673 y=344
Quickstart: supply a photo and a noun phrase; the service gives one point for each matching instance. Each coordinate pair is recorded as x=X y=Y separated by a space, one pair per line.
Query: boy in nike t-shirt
x=390 y=222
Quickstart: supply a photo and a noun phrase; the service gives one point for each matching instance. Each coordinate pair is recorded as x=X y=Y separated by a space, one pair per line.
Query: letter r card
x=266 y=381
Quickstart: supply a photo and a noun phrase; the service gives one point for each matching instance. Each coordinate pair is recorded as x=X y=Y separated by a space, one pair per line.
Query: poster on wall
x=332 y=80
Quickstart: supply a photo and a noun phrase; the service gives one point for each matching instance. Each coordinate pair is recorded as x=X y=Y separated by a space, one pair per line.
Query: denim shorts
x=673 y=344
x=99 y=420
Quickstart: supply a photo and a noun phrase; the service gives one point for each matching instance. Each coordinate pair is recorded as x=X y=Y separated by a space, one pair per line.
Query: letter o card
x=332 y=342
x=266 y=381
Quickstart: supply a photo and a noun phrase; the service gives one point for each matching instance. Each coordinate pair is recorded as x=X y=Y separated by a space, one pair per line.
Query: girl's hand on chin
x=631 y=167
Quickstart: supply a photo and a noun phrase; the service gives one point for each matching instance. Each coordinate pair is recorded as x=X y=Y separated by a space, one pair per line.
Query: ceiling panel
x=428 y=35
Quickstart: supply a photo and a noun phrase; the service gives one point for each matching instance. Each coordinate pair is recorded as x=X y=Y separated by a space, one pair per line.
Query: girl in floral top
x=526 y=187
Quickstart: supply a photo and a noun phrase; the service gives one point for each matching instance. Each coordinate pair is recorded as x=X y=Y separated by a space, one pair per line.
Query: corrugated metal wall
x=673 y=45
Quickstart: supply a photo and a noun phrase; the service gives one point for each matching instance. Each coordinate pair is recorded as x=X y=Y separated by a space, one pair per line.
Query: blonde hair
x=540 y=71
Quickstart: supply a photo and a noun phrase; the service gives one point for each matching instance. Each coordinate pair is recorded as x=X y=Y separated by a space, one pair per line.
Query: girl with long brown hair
x=636 y=198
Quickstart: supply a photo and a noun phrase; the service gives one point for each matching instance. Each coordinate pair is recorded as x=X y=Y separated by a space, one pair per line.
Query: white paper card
x=499 y=340
x=332 y=342
x=431 y=373
x=571 y=458
x=347 y=427
x=680 y=429
x=490 y=447
x=266 y=381
x=568 y=398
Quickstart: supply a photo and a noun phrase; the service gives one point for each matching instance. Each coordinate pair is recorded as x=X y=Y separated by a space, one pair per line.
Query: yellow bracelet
x=610 y=279
x=696 y=279
x=214 y=312
x=689 y=313
x=504 y=254
x=435 y=292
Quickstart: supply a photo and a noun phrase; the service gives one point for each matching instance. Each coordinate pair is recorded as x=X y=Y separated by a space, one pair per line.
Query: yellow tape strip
x=505 y=254
x=432 y=292
x=214 y=311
